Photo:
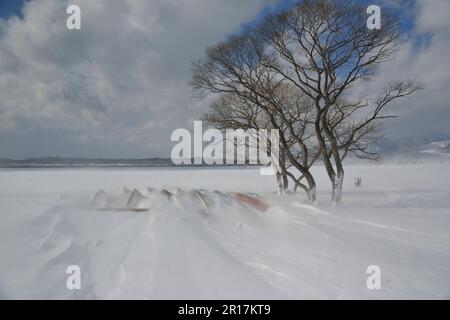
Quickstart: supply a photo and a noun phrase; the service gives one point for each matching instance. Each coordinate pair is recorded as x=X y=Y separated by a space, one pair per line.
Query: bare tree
x=324 y=48
x=321 y=49
x=293 y=114
x=233 y=112
x=236 y=67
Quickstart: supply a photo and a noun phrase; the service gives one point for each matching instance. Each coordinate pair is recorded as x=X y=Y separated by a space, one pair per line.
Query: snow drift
x=191 y=242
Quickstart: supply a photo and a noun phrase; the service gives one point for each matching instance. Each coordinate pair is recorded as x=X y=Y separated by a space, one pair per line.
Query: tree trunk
x=325 y=156
x=336 y=176
x=279 y=177
x=312 y=194
x=285 y=182
x=336 y=195
x=284 y=177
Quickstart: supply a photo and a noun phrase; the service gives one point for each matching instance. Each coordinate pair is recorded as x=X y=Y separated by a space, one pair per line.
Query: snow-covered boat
x=148 y=199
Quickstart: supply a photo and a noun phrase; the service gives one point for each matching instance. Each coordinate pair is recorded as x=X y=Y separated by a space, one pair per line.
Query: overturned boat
x=148 y=199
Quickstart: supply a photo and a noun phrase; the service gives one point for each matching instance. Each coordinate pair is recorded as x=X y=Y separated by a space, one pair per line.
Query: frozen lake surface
x=399 y=220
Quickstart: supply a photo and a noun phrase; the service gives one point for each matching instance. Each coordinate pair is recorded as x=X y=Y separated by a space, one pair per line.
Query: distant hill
x=433 y=148
x=61 y=162
x=84 y=162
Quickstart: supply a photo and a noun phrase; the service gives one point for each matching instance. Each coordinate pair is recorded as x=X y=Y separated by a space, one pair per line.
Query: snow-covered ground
x=399 y=220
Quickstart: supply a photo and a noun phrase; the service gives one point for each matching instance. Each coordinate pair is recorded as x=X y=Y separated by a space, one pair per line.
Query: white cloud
x=423 y=57
x=115 y=88
x=119 y=86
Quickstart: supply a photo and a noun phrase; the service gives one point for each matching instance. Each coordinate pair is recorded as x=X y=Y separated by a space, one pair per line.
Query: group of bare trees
x=295 y=71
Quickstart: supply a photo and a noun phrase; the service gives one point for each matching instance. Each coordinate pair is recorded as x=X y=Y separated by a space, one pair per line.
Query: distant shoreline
x=124 y=166
x=96 y=163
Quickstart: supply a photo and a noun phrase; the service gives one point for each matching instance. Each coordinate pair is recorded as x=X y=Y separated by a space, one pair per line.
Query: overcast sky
x=119 y=86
